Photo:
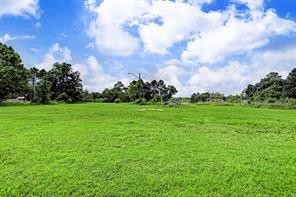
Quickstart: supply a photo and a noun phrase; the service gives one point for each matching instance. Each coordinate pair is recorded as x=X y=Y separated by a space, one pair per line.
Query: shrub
x=117 y=100
x=63 y=97
x=140 y=101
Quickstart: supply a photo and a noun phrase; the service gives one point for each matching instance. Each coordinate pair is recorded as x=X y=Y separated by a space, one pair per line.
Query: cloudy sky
x=196 y=45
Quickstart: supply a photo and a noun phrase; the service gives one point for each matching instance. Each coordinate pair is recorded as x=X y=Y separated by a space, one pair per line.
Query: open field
x=125 y=149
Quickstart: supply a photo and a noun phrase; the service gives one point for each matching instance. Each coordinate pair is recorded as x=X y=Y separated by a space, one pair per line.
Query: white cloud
x=198 y=2
x=7 y=37
x=19 y=8
x=158 y=26
x=170 y=75
x=107 y=27
x=93 y=76
x=281 y=60
x=38 y=25
x=235 y=76
x=252 y=4
x=55 y=54
x=34 y=49
x=229 y=79
x=113 y=18
x=237 y=36
x=178 y=22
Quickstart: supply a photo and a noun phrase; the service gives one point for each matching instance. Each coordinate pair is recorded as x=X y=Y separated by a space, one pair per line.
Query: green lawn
x=129 y=150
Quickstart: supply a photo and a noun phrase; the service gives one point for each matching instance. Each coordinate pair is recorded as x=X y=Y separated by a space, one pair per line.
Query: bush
x=279 y=104
x=63 y=97
x=117 y=100
x=155 y=100
x=140 y=101
x=171 y=104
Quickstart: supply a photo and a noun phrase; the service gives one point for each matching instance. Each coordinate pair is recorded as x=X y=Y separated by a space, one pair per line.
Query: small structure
x=211 y=100
x=20 y=98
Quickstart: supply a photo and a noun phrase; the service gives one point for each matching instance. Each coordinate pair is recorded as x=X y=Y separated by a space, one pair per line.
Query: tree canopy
x=13 y=74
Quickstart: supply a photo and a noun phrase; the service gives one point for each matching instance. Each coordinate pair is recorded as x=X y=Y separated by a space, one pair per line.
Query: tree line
x=61 y=83
x=137 y=91
x=272 y=88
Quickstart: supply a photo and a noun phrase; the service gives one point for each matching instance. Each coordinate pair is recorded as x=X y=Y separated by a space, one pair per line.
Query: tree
x=119 y=92
x=33 y=77
x=107 y=95
x=13 y=74
x=65 y=83
x=270 y=88
x=290 y=85
x=249 y=91
x=204 y=96
x=42 y=87
x=136 y=90
x=195 y=98
x=217 y=95
x=95 y=95
x=170 y=91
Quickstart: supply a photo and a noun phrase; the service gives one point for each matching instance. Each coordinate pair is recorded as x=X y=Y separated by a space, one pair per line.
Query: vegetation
x=123 y=149
x=61 y=83
x=272 y=88
x=203 y=97
x=271 y=91
x=13 y=74
x=138 y=92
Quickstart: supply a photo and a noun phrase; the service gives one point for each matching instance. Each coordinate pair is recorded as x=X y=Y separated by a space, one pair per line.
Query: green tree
x=290 y=85
x=270 y=88
x=42 y=87
x=66 y=84
x=136 y=90
x=95 y=95
x=33 y=79
x=217 y=95
x=13 y=74
x=107 y=95
x=249 y=91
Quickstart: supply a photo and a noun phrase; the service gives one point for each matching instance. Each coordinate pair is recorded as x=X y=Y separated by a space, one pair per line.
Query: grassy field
x=125 y=149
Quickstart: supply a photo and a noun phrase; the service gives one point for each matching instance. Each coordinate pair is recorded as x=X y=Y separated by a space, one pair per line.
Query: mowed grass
x=132 y=150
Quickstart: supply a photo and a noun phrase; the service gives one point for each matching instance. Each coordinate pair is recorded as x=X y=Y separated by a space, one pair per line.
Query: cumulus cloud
x=56 y=53
x=235 y=76
x=252 y=4
x=170 y=75
x=281 y=60
x=93 y=76
x=229 y=79
x=178 y=22
x=121 y=28
x=236 y=36
x=7 y=37
x=154 y=21
x=19 y=8
x=107 y=27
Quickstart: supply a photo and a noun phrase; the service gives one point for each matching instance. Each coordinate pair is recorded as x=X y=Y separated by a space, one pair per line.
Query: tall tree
x=42 y=87
x=65 y=83
x=290 y=85
x=95 y=95
x=13 y=74
x=33 y=78
x=249 y=91
x=270 y=88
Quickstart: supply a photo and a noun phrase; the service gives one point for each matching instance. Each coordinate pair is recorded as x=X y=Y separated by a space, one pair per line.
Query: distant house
x=215 y=100
x=20 y=98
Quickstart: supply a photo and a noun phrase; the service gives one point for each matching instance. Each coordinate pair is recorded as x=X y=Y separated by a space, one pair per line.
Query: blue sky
x=196 y=45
